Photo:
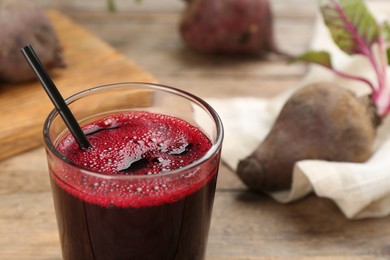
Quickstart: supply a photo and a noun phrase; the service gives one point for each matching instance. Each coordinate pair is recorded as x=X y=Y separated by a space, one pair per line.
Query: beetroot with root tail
x=22 y=25
x=320 y=121
x=323 y=121
x=229 y=26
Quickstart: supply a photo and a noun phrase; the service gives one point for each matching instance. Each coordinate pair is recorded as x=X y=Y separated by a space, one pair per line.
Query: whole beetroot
x=229 y=26
x=19 y=26
x=323 y=121
x=320 y=121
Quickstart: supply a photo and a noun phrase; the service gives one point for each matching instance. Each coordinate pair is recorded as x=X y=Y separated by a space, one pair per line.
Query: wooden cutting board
x=90 y=62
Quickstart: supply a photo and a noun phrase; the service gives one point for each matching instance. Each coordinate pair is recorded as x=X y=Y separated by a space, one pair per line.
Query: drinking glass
x=160 y=216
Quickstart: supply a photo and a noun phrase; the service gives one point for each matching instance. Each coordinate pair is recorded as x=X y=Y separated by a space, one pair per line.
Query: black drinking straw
x=55 y=97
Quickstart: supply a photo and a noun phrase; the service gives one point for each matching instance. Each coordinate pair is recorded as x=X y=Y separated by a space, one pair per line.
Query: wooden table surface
x=244 y=225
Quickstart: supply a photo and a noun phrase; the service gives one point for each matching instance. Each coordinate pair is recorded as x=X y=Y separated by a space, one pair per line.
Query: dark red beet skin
x=230 y=26
x=23 y=24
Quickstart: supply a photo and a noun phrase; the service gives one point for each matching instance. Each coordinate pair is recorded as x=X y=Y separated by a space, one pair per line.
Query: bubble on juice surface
x=153 y=143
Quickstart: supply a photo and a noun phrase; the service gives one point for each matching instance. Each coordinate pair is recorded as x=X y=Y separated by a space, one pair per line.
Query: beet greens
x=323 y=121
x=356 y=32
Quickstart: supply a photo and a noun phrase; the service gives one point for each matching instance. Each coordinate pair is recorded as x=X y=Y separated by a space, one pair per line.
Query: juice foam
x=137 y=144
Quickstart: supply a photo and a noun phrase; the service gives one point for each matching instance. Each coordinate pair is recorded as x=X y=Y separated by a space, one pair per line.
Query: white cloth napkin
x=360 y=190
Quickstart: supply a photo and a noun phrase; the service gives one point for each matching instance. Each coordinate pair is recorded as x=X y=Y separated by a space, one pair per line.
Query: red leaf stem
x=349 y=76
x=383 y=103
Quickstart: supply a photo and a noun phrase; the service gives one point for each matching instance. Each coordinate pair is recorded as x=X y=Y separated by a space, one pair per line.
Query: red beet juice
x=135 y=202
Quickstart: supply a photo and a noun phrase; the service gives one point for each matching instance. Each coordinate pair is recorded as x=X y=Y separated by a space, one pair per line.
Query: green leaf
x=386 y=38
x=352 y=26
x=111 y=5
x=386 y=32
x=388 y=56
x=317 y=57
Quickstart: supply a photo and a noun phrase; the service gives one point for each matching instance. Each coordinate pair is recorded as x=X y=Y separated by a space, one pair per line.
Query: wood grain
x=90 y=62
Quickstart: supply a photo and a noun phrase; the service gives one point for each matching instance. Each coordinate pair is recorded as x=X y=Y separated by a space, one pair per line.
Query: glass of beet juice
x=145 y=189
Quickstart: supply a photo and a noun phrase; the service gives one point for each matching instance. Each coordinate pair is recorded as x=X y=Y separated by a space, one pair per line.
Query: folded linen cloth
x=360 y=190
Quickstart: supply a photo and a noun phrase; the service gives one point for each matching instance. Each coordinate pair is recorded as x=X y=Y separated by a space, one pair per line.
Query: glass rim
x=216 y=146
